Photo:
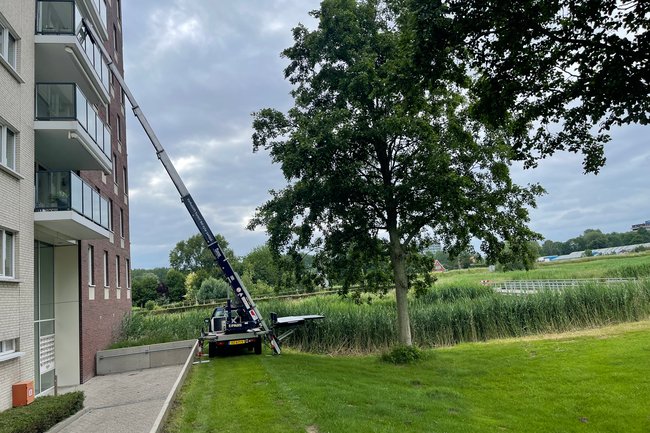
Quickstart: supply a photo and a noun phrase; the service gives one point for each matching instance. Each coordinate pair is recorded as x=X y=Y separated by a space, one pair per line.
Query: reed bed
x=446 y=316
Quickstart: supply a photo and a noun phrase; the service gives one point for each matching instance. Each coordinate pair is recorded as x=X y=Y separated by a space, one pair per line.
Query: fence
x=523 y=287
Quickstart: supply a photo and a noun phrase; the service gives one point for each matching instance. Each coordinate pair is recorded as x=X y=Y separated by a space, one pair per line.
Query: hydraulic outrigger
x=255 y=327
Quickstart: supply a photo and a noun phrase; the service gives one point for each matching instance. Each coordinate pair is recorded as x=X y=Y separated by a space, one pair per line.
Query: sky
x=199 y=68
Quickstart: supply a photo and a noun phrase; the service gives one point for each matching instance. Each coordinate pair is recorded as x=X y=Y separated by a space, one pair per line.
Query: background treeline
x=193 y=277
x=592 y=239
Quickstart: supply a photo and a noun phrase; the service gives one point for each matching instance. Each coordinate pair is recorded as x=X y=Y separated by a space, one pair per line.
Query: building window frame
x=118 y=274
x=91 y=265
x=128 y=273
x=8 y=147
x=7 y=254
x=8 y=45
x=122 y=223
x=106 y=279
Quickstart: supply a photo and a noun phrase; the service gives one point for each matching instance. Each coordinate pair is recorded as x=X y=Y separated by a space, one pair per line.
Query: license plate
x=234 y=342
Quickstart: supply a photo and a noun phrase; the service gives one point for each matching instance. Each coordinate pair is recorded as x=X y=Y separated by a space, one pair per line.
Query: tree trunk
x=398 y=261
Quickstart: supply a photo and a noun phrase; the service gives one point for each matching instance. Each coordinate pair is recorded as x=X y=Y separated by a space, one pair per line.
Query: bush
x=150 y=305
x=211 y=289
x=42 y=414
x=402 y=355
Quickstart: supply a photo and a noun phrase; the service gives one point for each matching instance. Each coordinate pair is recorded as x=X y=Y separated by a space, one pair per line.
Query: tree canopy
x=379 y=161
x=558 y=73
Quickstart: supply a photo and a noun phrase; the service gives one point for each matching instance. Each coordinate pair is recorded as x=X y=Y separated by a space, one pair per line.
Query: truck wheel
x=258 y=346
x=213 y=350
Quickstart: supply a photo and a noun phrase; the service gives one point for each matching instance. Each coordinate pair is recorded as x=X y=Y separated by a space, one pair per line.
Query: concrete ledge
x=143 y=357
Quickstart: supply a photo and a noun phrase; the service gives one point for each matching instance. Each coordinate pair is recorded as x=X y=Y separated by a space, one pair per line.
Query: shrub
x=402 y=355
x=42 y=414
x=150 y=305
x=211 y=289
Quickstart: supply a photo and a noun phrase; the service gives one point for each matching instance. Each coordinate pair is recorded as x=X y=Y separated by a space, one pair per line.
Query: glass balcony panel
x=96 y=207
x=77 y=194
x=82 y=110
x=103 y=212
x=88 y=201
x=65 y=102
x=64 y=190
x=55 y=101
x=55 y=17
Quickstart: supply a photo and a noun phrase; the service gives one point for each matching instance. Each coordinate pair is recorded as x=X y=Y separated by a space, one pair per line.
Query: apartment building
x=64 y=232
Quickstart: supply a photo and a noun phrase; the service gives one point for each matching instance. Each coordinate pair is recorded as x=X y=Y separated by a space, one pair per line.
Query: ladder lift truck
x=239 y=324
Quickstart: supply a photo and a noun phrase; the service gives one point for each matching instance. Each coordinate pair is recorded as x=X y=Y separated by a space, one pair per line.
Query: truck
x=238 y=323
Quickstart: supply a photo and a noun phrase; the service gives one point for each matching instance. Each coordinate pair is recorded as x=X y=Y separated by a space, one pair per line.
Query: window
x=122 y=222
x=7 y=241
x=118 y=128
x=128 y=273
x=124 y=179
x=116 y=44
x=105 y=268
x=117 y=272
x=119 y=10
x=91 y=265
x=115 y=167
x=7 y=347
x=110 y=214
x=8 y=45
x=7 y=147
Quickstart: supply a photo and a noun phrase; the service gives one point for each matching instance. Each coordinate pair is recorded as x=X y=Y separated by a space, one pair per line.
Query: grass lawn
x=589 y=381
x=588 y=267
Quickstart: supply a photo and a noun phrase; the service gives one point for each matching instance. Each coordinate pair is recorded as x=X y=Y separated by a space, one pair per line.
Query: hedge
x=42 y=414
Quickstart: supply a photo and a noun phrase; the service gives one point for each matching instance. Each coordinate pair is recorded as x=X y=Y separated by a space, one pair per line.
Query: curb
x=164 y=412
x=60 y=427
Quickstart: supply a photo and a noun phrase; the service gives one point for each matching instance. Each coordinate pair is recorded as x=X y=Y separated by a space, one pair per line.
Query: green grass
x=572 y=383
x=620 y=266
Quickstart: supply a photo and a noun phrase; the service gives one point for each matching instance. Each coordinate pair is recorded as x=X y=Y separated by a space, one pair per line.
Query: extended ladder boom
x=233 y=279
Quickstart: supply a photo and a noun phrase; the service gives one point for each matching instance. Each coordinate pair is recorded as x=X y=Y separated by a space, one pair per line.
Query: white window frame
x=9 y=349
x=4 y=234
x=4 y=146
x=5 y=34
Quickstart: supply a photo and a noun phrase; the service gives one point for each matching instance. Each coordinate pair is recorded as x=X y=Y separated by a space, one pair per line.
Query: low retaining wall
x=142 y=357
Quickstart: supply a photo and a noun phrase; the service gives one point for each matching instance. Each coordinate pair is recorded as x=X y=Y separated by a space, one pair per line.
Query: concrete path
x=125 y=402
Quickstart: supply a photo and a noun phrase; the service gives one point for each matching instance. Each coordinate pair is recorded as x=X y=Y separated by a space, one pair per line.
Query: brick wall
x=102 y=316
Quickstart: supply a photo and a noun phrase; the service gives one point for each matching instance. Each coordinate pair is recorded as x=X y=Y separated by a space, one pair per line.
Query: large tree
x=558 y=73
x=192 y=255
x=378 y=160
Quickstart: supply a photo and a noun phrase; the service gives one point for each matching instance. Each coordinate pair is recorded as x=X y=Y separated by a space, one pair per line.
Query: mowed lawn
x=590 y=381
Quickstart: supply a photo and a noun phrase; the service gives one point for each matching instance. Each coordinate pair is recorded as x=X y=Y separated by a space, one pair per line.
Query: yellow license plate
x=233 y=342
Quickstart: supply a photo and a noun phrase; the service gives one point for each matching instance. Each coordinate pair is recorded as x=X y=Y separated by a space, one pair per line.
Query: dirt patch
x=311 y=429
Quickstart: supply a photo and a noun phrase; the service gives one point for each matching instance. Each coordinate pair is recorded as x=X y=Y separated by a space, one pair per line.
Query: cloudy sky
x=199 y=68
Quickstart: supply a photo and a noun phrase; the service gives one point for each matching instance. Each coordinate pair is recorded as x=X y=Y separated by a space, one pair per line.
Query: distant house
x=645 y=225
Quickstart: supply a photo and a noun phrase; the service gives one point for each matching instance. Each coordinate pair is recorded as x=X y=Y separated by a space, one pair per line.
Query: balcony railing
x=64 y=191
x=66 y=102
x=63 y=18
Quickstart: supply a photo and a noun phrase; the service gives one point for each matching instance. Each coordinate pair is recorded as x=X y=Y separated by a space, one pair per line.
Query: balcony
x=69 y=133
x=68 y=209
x=66 y=52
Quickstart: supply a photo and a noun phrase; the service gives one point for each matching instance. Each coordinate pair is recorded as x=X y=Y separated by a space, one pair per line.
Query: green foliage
x=630 y=271
x=150 y=305
x=144 y=288
x=402 y=355
x=593 y=239
x=193 y=255
x=193 y=283
x=42 y=414
x=545 y=68
x=523 y=260
x=370 y=147
x=211 y=289
x=175 y=282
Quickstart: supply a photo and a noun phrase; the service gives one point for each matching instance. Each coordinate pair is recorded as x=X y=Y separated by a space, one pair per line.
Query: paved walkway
x=124 y=402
